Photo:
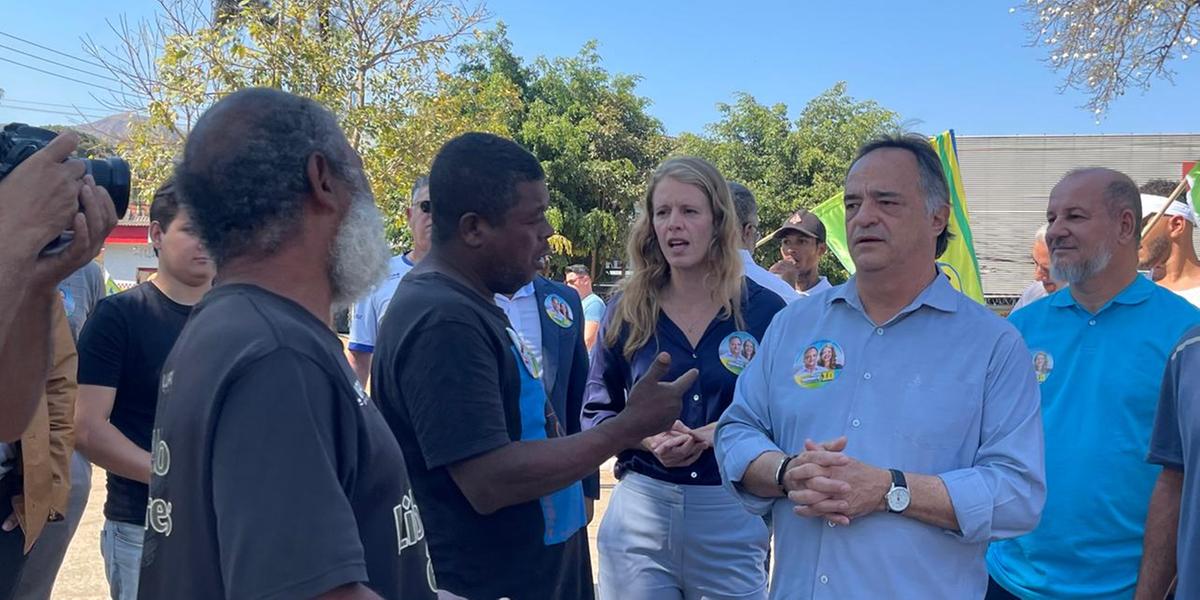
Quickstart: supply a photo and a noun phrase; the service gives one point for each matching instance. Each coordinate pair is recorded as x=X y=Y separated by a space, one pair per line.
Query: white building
x=1007 y=180
x=127 y=251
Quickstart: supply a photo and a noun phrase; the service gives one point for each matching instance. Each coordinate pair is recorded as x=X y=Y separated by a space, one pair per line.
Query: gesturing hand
x=653 y=404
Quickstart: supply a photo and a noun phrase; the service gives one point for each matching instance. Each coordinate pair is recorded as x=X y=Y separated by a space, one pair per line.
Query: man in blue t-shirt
x=579 y=278
x=1097 y=418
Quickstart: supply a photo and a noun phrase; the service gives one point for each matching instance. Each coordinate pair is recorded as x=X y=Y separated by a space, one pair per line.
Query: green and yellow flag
x=958 y=262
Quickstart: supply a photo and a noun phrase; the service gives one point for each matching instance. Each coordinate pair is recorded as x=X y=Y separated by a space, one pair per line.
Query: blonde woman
x=671 y=530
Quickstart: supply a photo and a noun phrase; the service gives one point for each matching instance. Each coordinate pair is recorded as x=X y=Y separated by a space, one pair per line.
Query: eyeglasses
x=424 y=206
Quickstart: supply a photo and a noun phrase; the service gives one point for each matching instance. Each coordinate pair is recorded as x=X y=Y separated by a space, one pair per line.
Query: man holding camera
x=40 y=198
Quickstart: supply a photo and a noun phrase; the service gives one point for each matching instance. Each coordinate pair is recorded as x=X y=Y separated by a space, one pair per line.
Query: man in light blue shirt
x=927 y=403
x=1100 y=347
x=579 y=278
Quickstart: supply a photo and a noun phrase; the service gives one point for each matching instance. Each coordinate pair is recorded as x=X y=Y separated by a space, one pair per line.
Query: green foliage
x=372 y=62
x=588 y=127
x=789 y=164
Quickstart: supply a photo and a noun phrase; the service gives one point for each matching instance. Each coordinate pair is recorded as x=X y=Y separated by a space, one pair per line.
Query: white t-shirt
x=820 y=286
x=368 y=312
x=767 y=279
x=1191 y=295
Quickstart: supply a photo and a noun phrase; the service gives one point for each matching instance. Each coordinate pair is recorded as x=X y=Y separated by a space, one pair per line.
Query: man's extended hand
x=653 y=404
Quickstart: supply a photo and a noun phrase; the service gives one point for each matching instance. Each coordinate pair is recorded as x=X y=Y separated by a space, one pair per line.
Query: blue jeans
x=121 y=547
x=661 y=541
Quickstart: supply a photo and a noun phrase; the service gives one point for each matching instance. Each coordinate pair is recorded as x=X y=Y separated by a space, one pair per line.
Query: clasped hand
x=680 y=446
x=824 y=482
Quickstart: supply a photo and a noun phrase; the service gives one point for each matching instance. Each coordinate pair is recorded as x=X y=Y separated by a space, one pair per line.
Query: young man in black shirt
x=121 y=350
x=497 y=481
x=275 y=476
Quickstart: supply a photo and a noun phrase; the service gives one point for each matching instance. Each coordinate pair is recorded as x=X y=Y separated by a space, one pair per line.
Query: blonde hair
x=639 y=306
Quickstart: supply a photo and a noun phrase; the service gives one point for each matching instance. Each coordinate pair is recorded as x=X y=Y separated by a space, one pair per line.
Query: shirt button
x=694 y=475
x=824 y=579
x=693 y=356
x=879 y=331
x=866 y=375
x=855 y=423
x=696 y=398
x=1092 y=322
x=831 y=524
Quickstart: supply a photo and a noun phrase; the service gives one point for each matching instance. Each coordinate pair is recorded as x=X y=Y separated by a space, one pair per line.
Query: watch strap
x=779 y=472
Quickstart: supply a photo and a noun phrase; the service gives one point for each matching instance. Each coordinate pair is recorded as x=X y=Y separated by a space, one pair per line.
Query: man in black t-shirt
x=497 y=481
x=275 y=476
x=121 y=351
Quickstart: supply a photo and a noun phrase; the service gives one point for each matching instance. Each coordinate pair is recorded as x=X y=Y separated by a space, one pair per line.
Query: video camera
x=19 y=141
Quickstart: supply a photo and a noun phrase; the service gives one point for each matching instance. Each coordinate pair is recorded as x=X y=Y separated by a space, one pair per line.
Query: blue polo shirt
x=723 y=351
x=1100 y=376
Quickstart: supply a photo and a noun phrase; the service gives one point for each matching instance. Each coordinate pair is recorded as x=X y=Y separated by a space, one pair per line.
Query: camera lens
x=112 y=174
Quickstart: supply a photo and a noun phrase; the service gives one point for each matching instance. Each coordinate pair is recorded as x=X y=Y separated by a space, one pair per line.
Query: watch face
x=898 y=499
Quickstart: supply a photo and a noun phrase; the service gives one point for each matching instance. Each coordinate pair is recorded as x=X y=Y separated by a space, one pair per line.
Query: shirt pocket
x=940 y=423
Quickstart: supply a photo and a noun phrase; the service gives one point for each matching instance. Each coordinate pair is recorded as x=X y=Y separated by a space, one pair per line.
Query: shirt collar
x=1138 y=291
x=525 y=292
x=939 y=295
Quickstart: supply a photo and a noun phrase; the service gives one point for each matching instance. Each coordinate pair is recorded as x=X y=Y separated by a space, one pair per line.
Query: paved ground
x=82 y=575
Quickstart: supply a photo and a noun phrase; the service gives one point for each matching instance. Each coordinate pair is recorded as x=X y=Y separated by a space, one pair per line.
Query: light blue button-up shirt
x=944 y=388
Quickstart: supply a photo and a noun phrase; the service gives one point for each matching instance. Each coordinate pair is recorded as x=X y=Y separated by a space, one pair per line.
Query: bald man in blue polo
x=1101 y=347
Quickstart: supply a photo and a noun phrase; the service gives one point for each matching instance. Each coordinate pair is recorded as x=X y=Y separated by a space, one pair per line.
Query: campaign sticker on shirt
x=736 y=351
x=532 y=364
x=1043 y=364
x=559 y=311
x=818 y=364
x=68 y=300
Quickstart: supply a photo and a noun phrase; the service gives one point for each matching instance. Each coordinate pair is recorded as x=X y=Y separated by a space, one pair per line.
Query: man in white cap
x=1169 y=245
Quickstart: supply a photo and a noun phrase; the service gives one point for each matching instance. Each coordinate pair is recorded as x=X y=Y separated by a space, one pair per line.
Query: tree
x=588 y=127
x=789 y=164
x=372 y=62
x=1105 y=46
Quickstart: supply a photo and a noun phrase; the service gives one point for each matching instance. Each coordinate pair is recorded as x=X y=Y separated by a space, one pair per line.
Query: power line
x=51 y=112
x=6 y=99
x=53 y=62
x=60 y=76
x=64 y=54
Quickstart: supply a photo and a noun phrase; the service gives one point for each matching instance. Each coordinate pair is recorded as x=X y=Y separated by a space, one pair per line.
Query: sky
x=940 y=65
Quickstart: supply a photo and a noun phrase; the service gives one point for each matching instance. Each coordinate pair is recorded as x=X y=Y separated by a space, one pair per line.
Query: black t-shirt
x=123 y=345
x=449 y=378
x=275 y=476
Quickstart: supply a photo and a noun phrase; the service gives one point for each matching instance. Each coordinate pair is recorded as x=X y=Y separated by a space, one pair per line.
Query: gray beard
x=360 y=252
x=1073 y=273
